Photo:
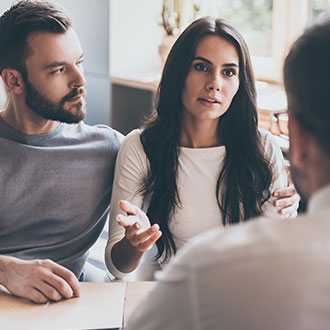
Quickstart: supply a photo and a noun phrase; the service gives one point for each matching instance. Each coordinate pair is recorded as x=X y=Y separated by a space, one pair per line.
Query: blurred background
x=125 y=42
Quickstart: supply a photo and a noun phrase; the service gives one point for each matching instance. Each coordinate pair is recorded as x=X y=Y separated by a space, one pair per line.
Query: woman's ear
x=13 y=81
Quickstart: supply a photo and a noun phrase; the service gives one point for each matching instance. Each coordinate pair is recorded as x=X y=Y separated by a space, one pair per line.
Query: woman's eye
x=200 y=67
x=81 y=62
x=229 y=72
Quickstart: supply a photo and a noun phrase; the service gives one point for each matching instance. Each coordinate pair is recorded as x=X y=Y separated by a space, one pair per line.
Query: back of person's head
x=307 y=81
x=19 y=22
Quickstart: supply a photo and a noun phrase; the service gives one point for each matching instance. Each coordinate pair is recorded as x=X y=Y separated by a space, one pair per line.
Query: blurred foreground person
x=264 y=274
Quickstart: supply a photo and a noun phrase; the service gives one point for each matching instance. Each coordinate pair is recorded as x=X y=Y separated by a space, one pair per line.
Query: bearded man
x=56 y=172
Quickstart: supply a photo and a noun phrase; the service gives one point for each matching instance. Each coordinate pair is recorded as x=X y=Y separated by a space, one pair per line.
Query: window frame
x=289 y=20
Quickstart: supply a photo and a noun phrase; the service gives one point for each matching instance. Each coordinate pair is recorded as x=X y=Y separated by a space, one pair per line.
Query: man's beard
x=48 y=109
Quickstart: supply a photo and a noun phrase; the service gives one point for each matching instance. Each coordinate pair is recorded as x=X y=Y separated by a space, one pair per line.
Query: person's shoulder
x=249 y=241
x=257 y=237
x=269 y=142
x=99 y=132
x=266 y=136
x=133 y=136
x=132 y=140
x=104 y=130
x=227 y=243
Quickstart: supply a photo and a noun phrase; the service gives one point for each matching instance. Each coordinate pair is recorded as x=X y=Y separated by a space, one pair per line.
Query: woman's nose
x=214 y=84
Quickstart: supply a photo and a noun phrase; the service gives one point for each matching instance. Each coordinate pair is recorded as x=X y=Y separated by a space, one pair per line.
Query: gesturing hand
x=39 y=280
x=138 y=231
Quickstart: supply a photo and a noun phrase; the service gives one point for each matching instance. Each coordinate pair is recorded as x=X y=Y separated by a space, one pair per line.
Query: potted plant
x=175 y=15
x=171 y=24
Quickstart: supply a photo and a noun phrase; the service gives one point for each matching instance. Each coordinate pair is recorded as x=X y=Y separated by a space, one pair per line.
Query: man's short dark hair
x=307 y=81
x=18 y=22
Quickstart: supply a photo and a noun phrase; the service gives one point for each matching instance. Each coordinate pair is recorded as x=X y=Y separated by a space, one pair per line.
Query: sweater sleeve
x=274 y=154
x=131 y=168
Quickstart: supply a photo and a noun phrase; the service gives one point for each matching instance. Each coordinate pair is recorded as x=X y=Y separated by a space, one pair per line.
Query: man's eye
x=200 y=67
x=81 y=62
x=57 y=71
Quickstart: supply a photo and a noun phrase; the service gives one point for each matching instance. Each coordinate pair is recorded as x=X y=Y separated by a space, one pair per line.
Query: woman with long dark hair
x=200 y=160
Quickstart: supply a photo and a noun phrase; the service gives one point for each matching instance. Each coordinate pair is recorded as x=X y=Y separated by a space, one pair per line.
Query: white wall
x=91 y=21
x=135 y=34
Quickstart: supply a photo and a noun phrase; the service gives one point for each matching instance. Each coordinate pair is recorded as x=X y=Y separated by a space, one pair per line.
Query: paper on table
x=135 y=293
x=99 y=306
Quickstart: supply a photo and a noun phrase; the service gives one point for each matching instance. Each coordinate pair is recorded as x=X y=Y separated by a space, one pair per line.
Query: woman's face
x=212 y=80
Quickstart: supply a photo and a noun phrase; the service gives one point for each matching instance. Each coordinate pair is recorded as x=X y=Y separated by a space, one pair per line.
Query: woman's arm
x=125 y=245
x=284 y=200
x=139 y=238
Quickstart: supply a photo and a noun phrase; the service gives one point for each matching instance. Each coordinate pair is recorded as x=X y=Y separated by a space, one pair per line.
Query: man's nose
x=78 y=79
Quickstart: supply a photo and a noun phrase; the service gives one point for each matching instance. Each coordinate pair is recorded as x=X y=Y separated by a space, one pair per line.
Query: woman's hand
x=287 y=199
x=138 y=231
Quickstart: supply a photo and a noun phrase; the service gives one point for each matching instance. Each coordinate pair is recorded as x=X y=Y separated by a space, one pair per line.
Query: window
x=318 y=8
x=253 y=18
x=268 y=26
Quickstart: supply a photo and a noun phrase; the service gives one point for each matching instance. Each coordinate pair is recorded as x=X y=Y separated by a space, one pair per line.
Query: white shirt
x=263 y=274
x=198 y=172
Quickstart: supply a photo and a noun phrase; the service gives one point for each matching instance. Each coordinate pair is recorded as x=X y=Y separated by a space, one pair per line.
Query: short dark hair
x=18 y=22
x=307 y=81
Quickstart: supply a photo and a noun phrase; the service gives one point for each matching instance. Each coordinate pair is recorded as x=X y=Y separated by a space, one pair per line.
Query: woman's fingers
x=138 y=231
x=141 y=239
x=126 y=221
x=137 y=237
x=129 y=220
x=128 y=207
x=290 y=211
x=285 y=192
x=148 y=243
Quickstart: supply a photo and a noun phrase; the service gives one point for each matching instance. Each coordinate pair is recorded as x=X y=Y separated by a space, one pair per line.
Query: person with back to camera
x=265 y=274
x=56 y=172
x=200 y=161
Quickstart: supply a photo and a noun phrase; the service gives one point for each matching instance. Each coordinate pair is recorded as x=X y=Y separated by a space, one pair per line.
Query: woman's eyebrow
x=231 y=64
x=201 y=58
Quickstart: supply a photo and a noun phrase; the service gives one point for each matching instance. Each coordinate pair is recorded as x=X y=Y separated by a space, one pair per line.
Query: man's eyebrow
x=56 y=64
x=201 y=58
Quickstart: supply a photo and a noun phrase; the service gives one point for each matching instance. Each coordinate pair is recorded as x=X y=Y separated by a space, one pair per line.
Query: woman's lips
x=207 y=101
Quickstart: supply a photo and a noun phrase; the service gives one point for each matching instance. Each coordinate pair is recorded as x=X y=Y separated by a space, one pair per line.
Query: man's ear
x=13 y=80
x=300 y=142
